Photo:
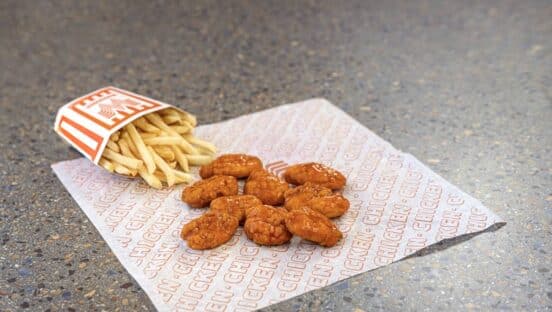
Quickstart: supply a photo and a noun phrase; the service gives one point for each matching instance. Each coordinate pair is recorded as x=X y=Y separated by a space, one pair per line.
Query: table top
x=464 y=87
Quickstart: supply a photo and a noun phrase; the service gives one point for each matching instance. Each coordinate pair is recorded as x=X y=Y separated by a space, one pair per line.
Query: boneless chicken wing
x=236 y=165
x=235 y=205
x=210 y=230
x=314 y=226
x=201 y=193
x=315 y=173
x=318 y=198
x=267 y=187
x=265 y=225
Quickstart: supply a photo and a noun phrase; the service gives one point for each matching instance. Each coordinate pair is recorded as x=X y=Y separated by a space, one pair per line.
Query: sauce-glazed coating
x=318 y=198
x=236 y=165
x=209 y=231
x=314 y=226
x=201 y=193
x=265 y=225
x=235 y=205
x=315 y=173
x=266 y=187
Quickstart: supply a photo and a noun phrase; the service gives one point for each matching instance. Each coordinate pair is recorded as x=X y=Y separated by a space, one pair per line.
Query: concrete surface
x=463 y=85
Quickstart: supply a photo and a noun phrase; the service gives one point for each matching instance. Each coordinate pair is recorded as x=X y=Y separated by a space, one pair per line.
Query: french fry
x=180 y=158
x=125 y=171
x=164 y=140
x=188 y=117
x=155 y=119
x=115 y=136
x=198 y=142
x=170 y=119
x=144 y=125
x=182 y=129
x=148 y=135
x=187 y=147
x=168 y=111
x=165 y=152
x=106 y=164
x=199 y=160
x=186 y=177
x=204 y=151
x=112 y=145
x=132 y=163
x=163 y=166
x=159 y=147
x=185 y=123
x=125 y=149
x=126 y=138
x=141 y=147
x=150 y=179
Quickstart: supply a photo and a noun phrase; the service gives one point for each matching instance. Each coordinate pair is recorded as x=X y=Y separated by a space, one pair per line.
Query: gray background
x=465 y=86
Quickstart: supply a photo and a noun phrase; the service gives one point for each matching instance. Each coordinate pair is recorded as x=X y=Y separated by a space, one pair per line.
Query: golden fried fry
x=198 y=160
x=200 y=143
x=157 y=151
x=161 y=164
x=165 y=152
x=150 y=178
x=113 y=146
x=163 y=140
x=170 y=119
x=106 y=164
x=155 y=119
x=183 y=176
x=181 y=129
x=126 y=138
x=143 y=152
x=115 y=136
x=120 y=169
x=181 y=158
x=144 y=125
x=148 y=135
x=127 y=161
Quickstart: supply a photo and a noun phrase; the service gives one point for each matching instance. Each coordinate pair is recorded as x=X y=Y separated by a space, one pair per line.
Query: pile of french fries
x=160 y=147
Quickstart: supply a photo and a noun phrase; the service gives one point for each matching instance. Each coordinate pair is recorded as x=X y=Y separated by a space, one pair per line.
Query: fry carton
x=107 y=127
x=88 y=121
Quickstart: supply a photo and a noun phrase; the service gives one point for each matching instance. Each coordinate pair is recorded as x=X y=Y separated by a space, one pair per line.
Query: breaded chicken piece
x=236 y=165
x=265 y=225
x=314 y=226
x=266 y=187
x=315 y=173
x=210 y=230
x=235 y=205
x=318 y=198
x=201 y=193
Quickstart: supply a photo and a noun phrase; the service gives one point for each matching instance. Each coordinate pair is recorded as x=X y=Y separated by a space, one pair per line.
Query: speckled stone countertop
x=465 y=87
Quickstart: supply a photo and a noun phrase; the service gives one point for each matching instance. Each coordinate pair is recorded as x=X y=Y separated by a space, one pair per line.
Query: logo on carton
x=109 y=107
x=87 y=122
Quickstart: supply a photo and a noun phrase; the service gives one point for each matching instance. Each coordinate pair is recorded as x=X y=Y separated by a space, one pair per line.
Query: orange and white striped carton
x=88 y=121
